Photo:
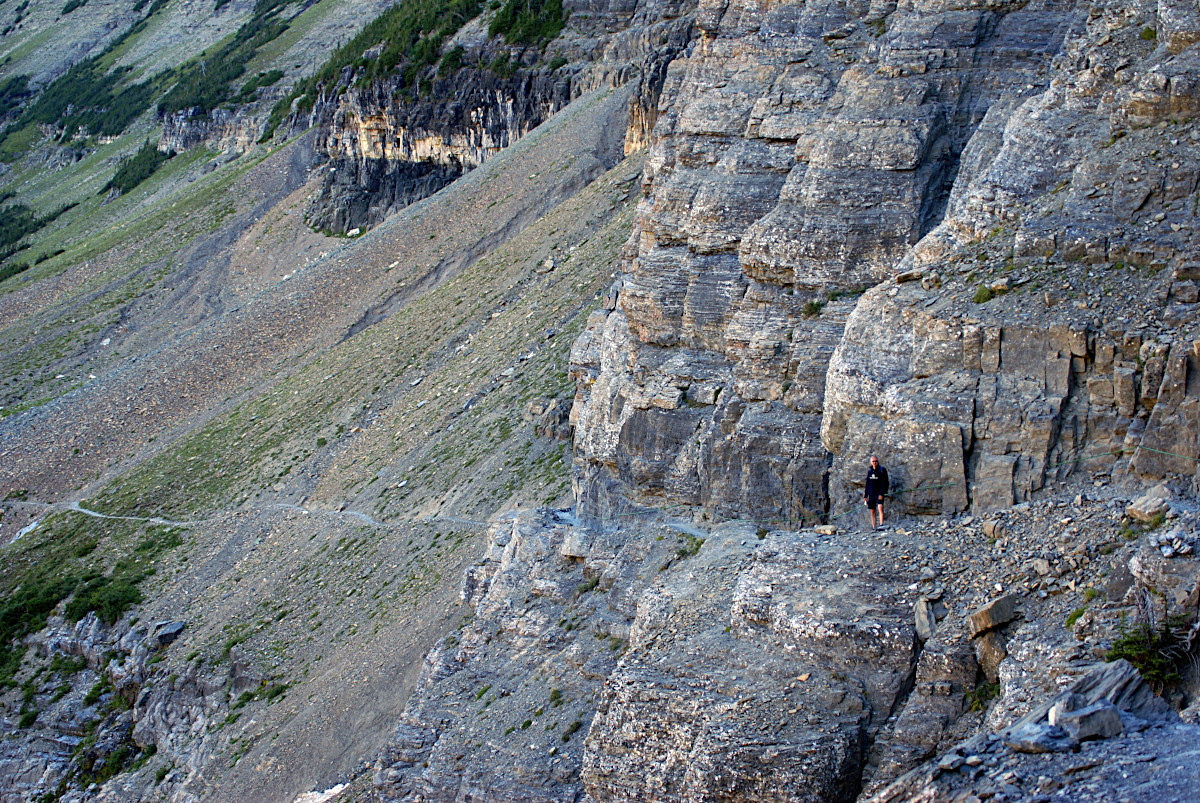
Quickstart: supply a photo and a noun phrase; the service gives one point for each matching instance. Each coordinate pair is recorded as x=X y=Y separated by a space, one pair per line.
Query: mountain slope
x=547 y=485
x=318 y=431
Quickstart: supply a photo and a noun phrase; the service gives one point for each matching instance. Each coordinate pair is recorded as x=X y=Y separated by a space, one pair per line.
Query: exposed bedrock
x=1079 y=206
x=755 y=675
x=801 y=149
x=218 y=129
x=987 y=410
x=739 y=670
x=388 y=152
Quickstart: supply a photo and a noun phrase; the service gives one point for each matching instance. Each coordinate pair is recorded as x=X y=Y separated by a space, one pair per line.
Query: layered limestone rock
x=1079 y=205
x=660 y=661
x=800 y=151
x=988 y=407
x=219 y=129
x=389 y=152
x=389 y=147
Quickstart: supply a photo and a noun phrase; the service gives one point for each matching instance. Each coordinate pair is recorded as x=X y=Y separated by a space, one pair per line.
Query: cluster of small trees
x=137 y=168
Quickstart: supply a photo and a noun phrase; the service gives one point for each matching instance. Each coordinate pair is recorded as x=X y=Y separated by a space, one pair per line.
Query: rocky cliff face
x=622 y=637
x=804 y=153
x=104 y=704
x=220 y=129
x=801 y=151
x=660 y=661
x=387 y=152
x=388 y=148
x=1076 y=208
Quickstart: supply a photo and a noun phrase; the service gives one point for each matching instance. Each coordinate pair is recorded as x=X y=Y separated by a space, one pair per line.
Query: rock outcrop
x=696 y=664
x=1040 y=753
x=103 y=704
x=219 y=129
x=660 y=661
x=389 y=147
x=1089 y=358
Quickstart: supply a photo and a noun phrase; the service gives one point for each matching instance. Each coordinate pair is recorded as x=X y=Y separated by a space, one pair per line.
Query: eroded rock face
x=111 y=704
x=800 y=151
x=801 y=154
x=778 y=705
x=388 y=151
x=984 y=405
x=697 y=665
x=218 y=129
x=962 y=411
x=776 y=665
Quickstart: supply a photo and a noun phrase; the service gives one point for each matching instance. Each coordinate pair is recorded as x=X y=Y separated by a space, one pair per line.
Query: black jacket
x=877 y=483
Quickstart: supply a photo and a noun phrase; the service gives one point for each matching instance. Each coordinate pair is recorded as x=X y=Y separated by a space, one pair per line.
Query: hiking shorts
x=873 y=502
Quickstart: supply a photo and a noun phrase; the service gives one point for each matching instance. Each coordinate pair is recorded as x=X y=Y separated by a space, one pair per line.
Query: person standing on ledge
x=876 y=490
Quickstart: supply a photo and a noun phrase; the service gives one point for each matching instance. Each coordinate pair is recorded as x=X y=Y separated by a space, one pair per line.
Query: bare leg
x=881 y=513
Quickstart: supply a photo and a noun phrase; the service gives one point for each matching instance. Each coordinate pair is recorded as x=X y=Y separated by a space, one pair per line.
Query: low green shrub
x=109 y=597
x=979 y=697
x=574 y=726
x=1158 y=653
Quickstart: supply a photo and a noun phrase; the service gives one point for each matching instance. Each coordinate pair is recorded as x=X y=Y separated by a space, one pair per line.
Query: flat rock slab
x=999 y=611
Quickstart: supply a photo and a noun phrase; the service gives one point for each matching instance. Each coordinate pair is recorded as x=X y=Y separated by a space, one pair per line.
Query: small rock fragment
x=990 y=650
x=926 y=621
x=1097 y=721
x=994 y=529
x=1039 y=738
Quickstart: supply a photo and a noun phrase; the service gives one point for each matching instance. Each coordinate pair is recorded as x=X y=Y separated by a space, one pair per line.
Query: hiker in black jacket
x=876 y=490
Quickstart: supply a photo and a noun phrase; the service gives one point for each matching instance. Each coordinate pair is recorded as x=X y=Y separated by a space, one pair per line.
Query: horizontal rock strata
x=800 y=152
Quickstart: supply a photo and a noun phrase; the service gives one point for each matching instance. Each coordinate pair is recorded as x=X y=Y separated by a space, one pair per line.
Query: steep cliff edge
x=960 y=236
x=752 y=663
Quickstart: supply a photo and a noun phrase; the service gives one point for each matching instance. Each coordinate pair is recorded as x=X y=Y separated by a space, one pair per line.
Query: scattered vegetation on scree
x=137 y=168
x=410 y=34
x=96 y=564
x=250 y=88
x=94 y=97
